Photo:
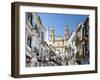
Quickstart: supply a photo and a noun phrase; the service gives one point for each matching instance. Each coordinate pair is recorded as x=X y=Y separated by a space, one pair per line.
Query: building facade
x=82 y=43
x=71 y=50
x=34 y=37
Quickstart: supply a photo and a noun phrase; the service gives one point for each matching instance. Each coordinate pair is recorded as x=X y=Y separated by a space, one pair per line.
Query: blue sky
x=59 y=21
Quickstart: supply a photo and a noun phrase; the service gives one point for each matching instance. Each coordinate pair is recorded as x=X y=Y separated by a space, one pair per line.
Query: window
x=37 y=52
x=84 y=49
x=34 y=49
x=29 y=41
x=58 y=44
x=73 y=51
x=83 y=32
x=87 y=31
x=36 y=28
x=35 y=64
x=29 y=17
x=87 y=47
x=42 y=38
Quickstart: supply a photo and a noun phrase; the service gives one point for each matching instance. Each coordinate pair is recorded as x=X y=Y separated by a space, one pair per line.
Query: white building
x=34 y=39
x=71 y=49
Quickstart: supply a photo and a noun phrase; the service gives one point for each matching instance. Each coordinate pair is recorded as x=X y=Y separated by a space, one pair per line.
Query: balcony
x=28 y=51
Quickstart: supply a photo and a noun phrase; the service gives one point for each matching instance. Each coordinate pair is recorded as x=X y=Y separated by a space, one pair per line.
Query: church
x=59 y=42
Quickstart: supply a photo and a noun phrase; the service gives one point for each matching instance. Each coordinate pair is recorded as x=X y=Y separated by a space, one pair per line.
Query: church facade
x=59 y=42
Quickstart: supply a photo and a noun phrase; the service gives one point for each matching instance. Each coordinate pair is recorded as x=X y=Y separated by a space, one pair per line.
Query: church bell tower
x=52 y=35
